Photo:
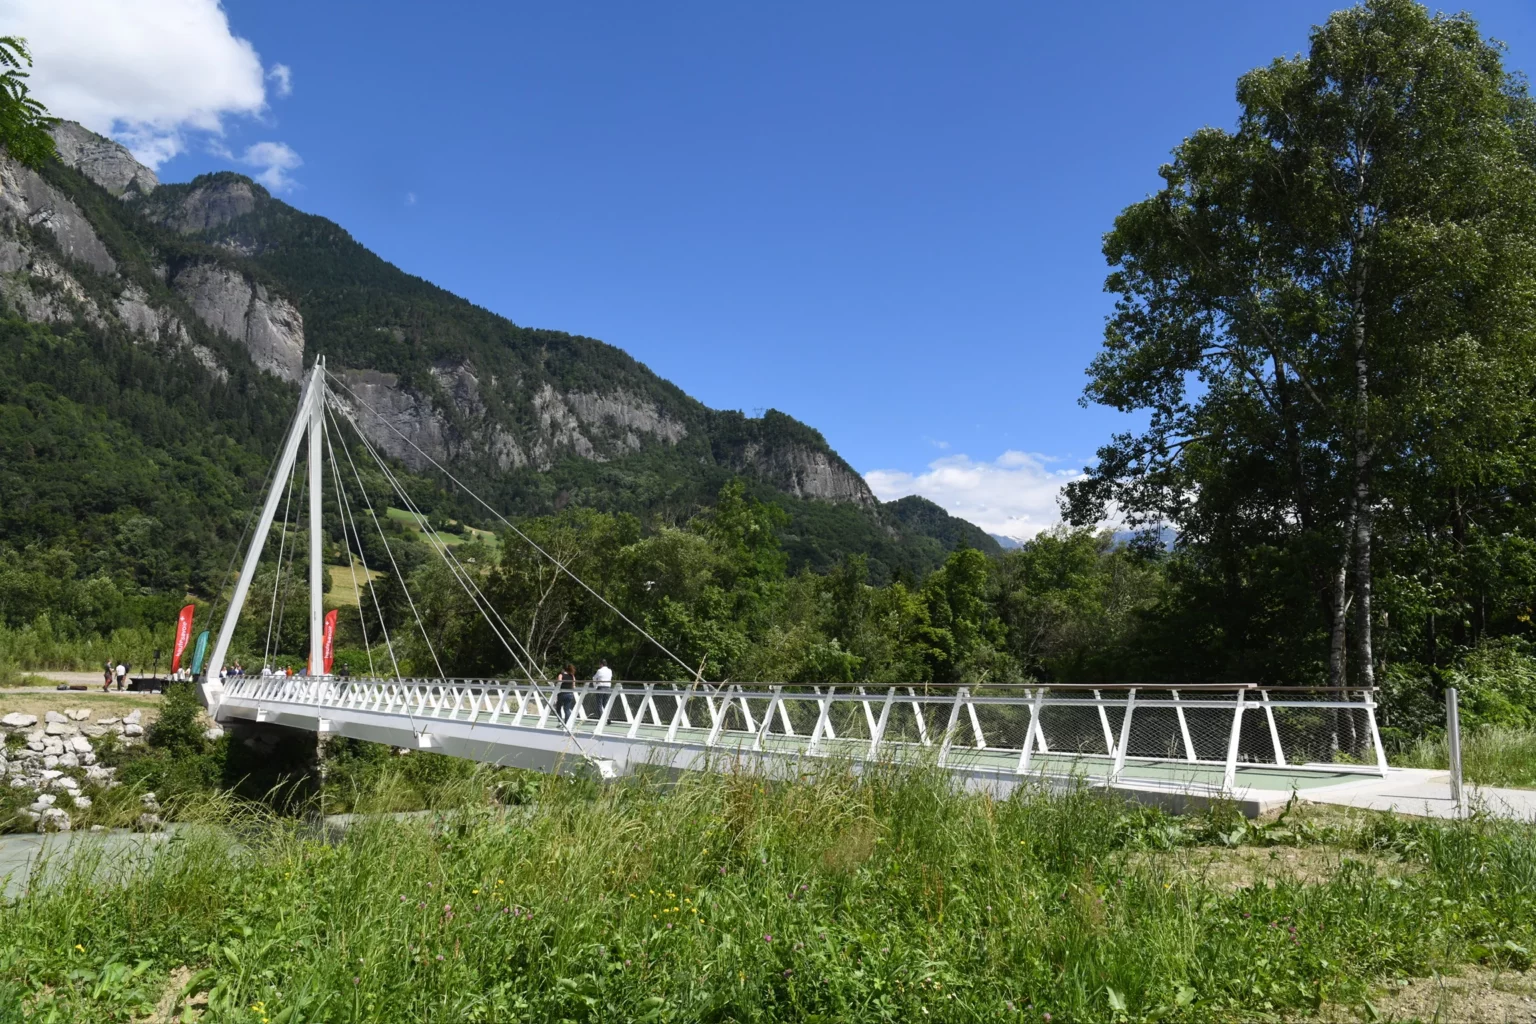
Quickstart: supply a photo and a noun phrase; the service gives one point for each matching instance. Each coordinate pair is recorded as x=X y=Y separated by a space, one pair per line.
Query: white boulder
x=54 y=717
x=17 y=720
x=54 y=820
x=133 y=729
x=78 y=714
x=80 y=745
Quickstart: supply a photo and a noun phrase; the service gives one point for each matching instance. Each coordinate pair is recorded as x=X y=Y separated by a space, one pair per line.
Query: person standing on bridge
x=565 y=698
x=603 y=677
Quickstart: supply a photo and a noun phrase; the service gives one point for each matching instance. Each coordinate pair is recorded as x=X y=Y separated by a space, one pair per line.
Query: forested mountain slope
x=153 y=337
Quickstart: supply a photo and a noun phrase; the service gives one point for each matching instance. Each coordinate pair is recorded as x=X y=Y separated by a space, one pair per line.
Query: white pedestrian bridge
x=1200 y=741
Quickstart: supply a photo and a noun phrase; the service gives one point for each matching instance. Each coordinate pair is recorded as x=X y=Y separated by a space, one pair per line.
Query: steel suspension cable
x=567 y=725
x=277 y=576
x=509 y=525
x=345 y=512
x=389 y=551
x=462 y=575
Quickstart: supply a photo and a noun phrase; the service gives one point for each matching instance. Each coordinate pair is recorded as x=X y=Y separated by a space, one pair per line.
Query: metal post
x=316 y=561
x=822 y=720
x=1029 y=733
x=1109 y=737
x=879 y=730
x=1125 y=735
x=212 y=688
x=762 y=732
x=949 y=730
x=1189 y=746
x=1370 y=723
x=917 y=713
x=1274 y=731
x=1453 y=741
x=981 y=741
x=1229 y=777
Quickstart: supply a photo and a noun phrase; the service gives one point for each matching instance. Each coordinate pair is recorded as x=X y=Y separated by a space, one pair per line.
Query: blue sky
x=883 y=219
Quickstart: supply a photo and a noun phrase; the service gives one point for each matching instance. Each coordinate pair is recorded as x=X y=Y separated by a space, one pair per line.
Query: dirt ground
x=1474 y=995
x=101 y=705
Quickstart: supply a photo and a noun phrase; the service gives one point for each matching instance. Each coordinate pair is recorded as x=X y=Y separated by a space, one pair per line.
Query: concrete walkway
x=1425 y=793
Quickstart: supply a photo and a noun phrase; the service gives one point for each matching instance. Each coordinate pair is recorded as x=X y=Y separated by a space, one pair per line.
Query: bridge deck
x=1235 y=743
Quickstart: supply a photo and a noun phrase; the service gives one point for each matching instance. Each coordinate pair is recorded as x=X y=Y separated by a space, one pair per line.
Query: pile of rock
x=56 y=754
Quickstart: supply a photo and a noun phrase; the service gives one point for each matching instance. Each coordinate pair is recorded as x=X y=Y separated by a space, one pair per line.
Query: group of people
x=109 y=675
x=565 y=687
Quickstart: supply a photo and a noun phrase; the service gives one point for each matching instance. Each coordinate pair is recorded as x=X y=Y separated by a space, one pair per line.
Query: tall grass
x=1491 y=755
x=737 y=898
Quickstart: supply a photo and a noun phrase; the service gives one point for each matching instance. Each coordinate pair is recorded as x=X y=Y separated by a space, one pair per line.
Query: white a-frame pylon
x=308 y=422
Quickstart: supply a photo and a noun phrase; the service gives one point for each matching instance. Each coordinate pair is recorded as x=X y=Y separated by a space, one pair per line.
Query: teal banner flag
x=199 y=652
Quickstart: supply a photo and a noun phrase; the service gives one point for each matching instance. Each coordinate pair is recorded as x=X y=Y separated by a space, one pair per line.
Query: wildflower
x=722 y=871
x=474 y=892
x=788 y=972
x=669 y=926
x=79 y=948
x=356 y=980
x=402 y=898
x=626 y=963
x=1047 y=1015
x=439 y=956
x=447 y=907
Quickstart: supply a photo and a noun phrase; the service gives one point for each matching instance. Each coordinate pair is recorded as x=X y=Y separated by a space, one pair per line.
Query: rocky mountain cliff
x=220 y=271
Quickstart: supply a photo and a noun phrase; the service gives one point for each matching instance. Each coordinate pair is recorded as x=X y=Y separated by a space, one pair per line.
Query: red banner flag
x=328 y=640
x=183 y=634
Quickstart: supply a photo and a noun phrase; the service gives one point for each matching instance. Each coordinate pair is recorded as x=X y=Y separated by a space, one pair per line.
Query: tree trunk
x=1338 y=627
x=1364 y=518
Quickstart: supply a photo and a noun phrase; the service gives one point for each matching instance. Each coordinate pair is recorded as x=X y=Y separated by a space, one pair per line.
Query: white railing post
x=981 y=741
x=602 y=722
x=821 y=719
x=1125 y=734
x=1274 y=730
x=1029 y=732
x=777 y=700
x=645 y=700
x=1453 y=749
x=1109 y=736
x=949 y=730
x=878 y=731
x=922 y=721
x=1370 y=721
x=1189 y=745
x=1229 y=777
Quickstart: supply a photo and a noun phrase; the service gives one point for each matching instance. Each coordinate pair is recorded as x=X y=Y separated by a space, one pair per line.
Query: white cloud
x=282 y=75
x=1015 y=495
x=410 y=199
x=275 y=159
x=146 y=72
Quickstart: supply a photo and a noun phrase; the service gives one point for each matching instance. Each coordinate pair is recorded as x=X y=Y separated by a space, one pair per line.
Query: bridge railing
x=1020 y=728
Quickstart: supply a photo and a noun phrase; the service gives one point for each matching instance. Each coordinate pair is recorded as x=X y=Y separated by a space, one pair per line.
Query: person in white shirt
x=122 y=673
x=604 y=675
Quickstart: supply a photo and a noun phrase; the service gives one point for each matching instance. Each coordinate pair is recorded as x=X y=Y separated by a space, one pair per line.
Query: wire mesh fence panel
x=1156 y=731
x=1079 y=729
x=1001 y=726
x=1323 y=735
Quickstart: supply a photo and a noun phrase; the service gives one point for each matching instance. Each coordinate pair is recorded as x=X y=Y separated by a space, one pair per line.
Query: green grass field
x=733 y=898
x=450 y=539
